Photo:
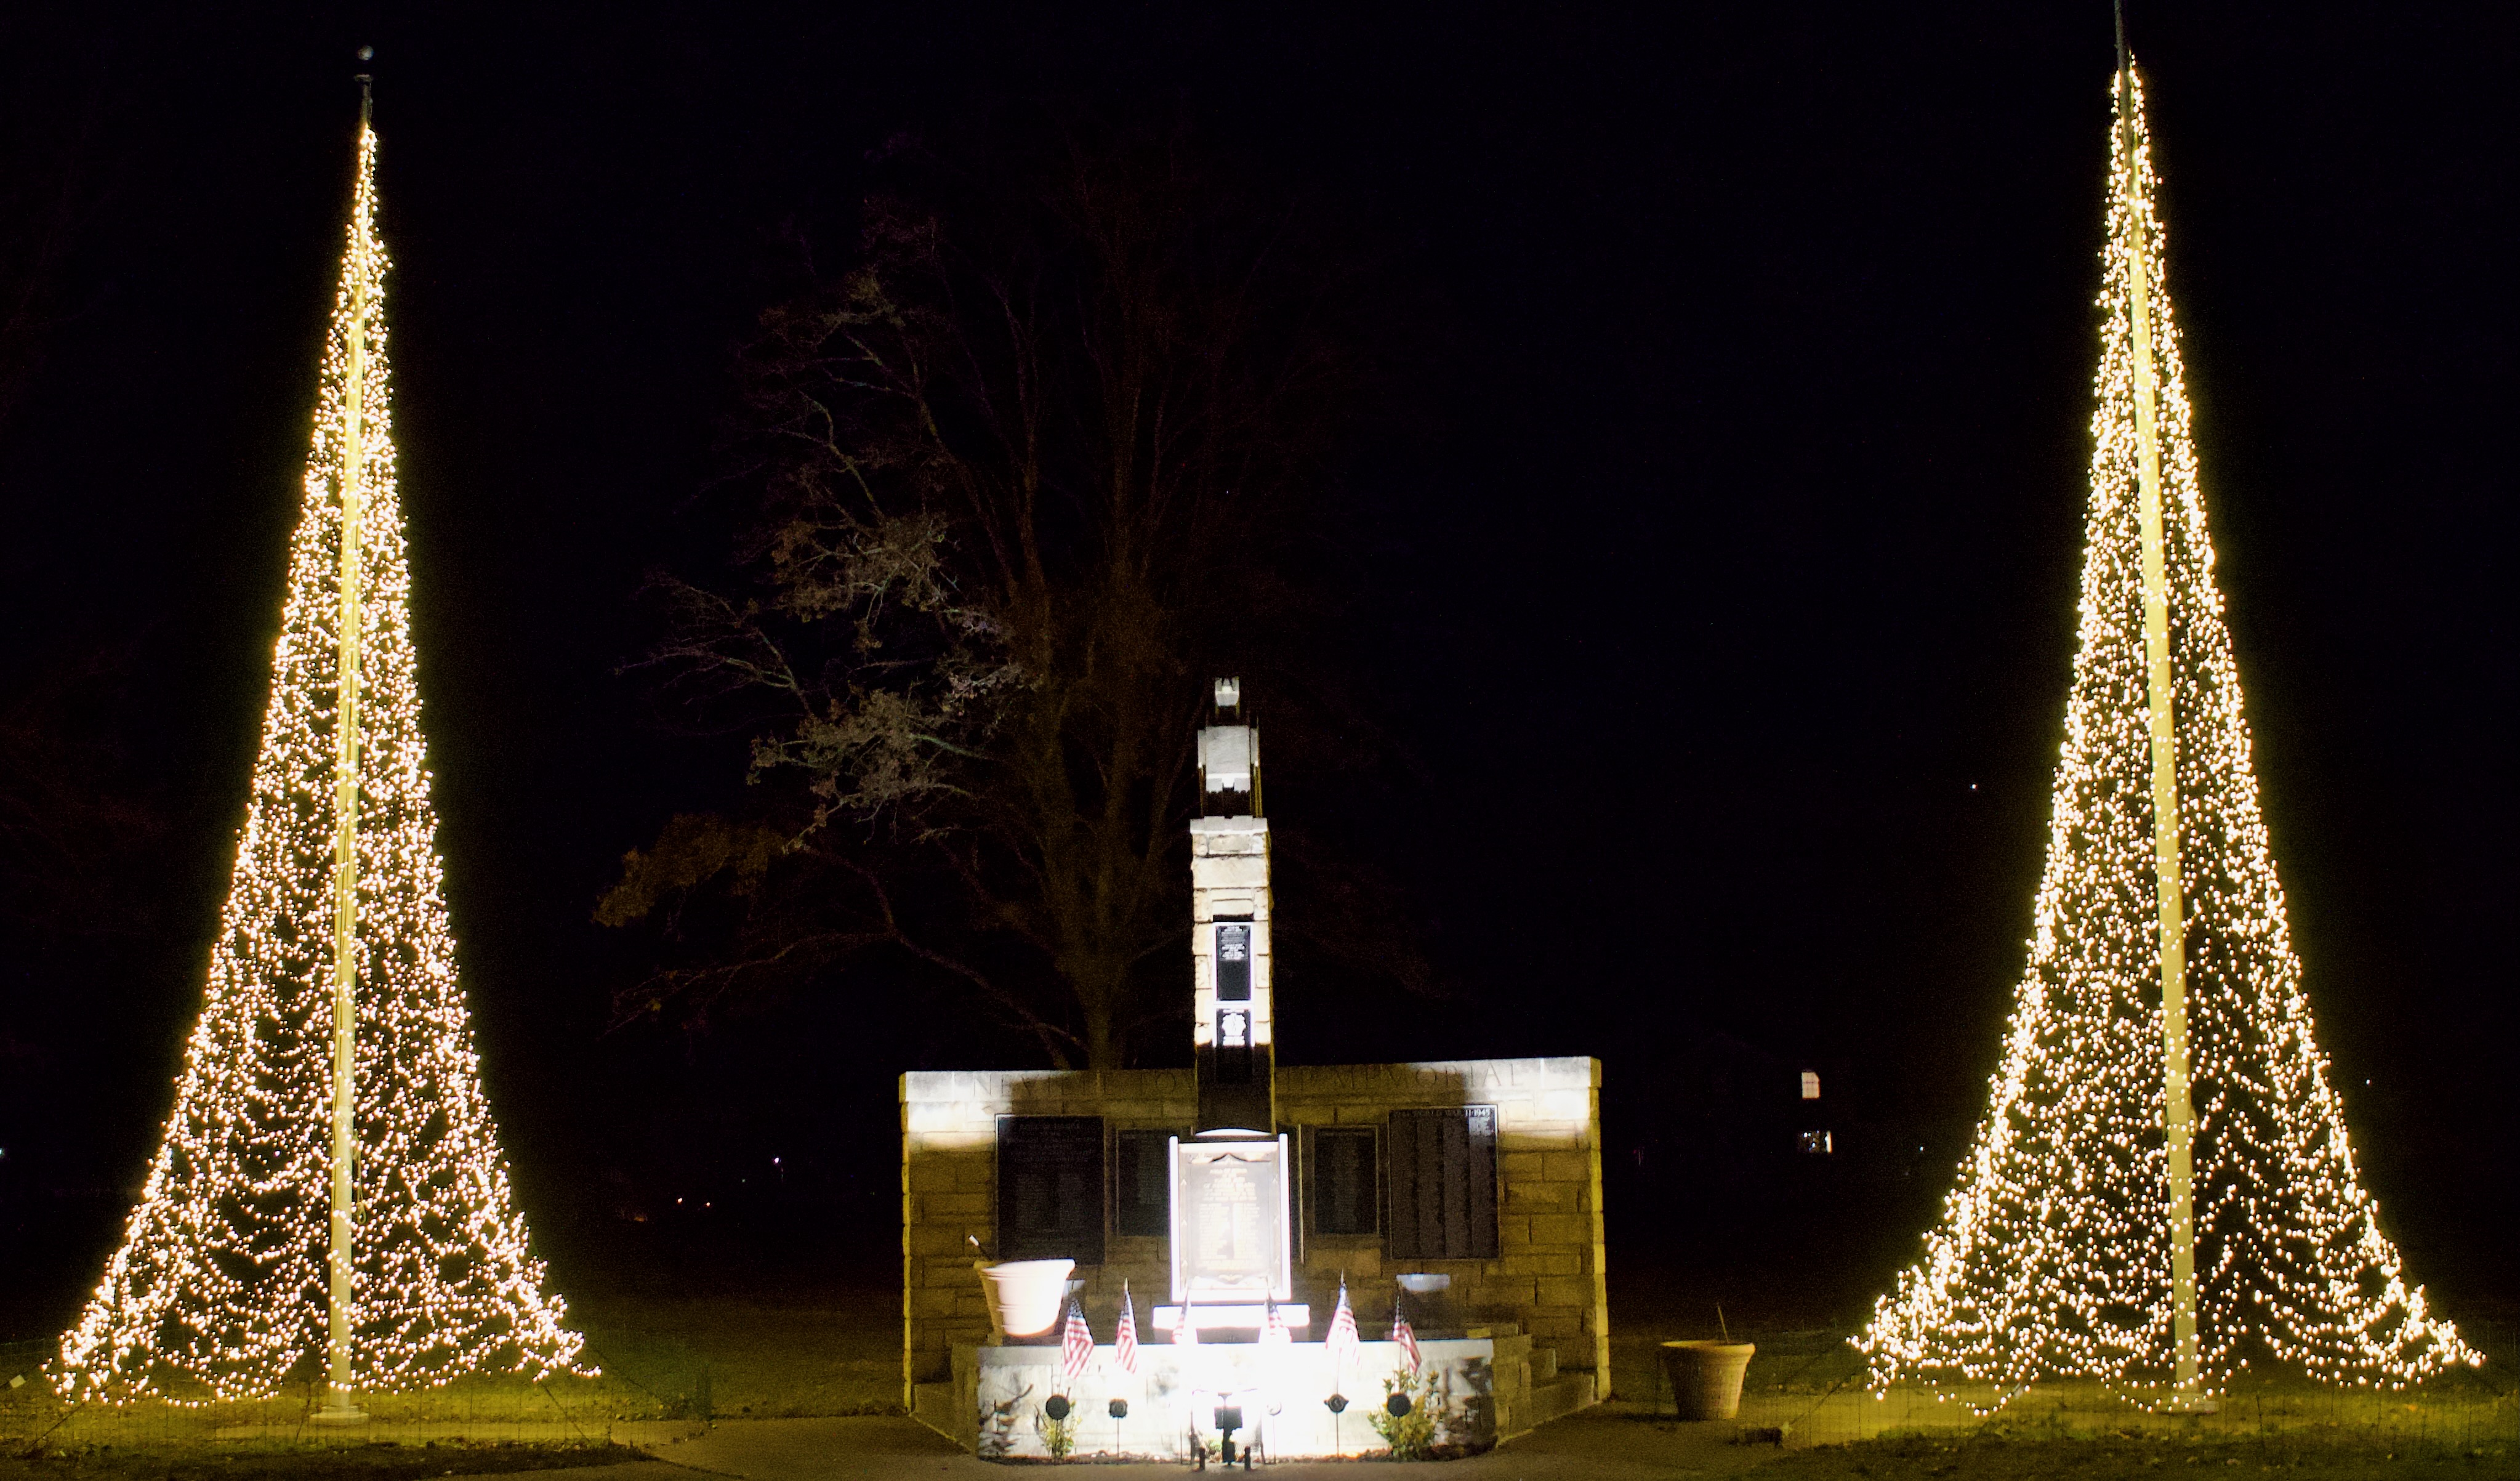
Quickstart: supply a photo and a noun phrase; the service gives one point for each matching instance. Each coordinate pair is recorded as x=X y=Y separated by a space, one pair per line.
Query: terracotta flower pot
x=1024 y=1296
x=1706 y=1376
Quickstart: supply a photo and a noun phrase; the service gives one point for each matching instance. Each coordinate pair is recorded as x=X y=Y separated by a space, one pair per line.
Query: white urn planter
x=1024 y=1296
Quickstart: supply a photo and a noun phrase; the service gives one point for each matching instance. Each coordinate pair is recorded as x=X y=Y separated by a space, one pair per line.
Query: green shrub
x=1411 y=1436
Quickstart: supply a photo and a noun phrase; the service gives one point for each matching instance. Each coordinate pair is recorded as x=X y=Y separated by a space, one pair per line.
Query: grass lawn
x=723 y=1358
x=232 y=1461
x=2311 y=1455
x=694 y=1357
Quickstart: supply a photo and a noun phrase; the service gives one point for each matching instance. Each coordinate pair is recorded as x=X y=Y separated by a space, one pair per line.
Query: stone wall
x=1549 y=1272
x=1548 y=1277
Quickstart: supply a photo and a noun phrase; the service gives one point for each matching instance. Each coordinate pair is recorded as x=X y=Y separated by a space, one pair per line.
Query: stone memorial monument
x=1464 y=1194
x=1231 y=1235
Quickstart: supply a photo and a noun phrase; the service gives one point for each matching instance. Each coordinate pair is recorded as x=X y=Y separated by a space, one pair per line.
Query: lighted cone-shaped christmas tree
x=2162 y=1191
x=277 y=1237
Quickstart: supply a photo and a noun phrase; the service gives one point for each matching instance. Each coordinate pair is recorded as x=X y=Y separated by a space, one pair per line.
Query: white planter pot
x=1024 y=1296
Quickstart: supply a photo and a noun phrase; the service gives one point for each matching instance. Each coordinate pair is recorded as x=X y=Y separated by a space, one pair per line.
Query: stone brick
x=1560 y=1229
x=1569 y=1167
x=1555 y=1326
x=1541 y=1138
x=1361 y=1263
x=1232 y=872
x=965 y=1142
x=1564 y=1290
x=1503 y=1290
x=929 y=1116
x=1546 y=1262
x=928 y=1175
x=1517 y=1167
x=1541 y=1197
x=955 y=1205
x=1567 y=1105
x=940 y=1239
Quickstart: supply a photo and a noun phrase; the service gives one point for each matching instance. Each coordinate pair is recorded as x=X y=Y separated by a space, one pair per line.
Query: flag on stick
x=1125 y=1344
x=1184 y=1327
x=1343 y=1339
x=1401 y=1334
x=1076 y=1344
x=1274 y=1328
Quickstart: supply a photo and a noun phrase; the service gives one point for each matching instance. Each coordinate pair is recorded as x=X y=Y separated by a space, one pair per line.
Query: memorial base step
x=932 y=1405
x=1244 y=1316
x=1560 y=1397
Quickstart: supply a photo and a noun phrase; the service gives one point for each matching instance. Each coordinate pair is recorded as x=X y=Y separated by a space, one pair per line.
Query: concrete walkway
x=1592 y=1446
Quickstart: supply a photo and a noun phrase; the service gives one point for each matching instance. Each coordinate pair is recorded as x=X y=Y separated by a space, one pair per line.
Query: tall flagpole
x=2179 y=1109
x=341 y=1407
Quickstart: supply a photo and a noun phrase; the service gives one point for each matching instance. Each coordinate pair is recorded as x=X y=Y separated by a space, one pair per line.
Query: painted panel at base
x=1479 y=1393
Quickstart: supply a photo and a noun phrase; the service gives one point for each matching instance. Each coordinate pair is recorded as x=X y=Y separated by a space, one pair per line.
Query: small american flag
x=1126 y=1342
x=1274 y=1329
x=1343 y=1338
x=1401 y=1334
x=1076 y=1344
x=1184 y=1326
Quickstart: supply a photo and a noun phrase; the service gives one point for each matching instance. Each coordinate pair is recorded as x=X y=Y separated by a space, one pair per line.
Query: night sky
x=1719 y=575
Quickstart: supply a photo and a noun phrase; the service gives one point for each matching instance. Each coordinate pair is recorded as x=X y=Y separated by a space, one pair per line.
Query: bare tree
x=1037 y=461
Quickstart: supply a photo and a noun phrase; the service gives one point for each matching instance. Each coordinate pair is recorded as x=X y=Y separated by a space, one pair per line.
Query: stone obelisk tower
x=1230 y=910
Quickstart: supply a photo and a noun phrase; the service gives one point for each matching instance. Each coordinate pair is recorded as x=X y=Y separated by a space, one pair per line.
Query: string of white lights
x=2052 y=1258
x=218 y=1289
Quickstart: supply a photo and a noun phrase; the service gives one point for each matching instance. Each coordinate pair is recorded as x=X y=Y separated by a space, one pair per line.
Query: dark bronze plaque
x=1050 y=1189
x=1442 y=1166
x=1234 y=960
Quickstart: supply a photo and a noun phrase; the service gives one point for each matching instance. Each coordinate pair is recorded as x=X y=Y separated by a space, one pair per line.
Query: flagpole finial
x=367 y=87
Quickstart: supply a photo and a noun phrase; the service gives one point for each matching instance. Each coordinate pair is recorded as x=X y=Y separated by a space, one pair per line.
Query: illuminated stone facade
x=1543 y=1280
